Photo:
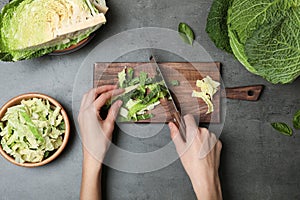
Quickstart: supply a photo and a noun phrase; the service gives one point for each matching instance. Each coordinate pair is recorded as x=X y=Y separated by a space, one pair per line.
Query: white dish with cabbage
x=33 y=130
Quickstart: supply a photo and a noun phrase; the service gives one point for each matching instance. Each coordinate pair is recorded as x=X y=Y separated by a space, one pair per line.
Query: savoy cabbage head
x=264 y=35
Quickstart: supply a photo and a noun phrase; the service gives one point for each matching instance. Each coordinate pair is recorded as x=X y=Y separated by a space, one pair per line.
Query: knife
x=176 y=116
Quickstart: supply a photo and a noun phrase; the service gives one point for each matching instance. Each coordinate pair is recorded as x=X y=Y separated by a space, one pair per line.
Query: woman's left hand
x=96 y=133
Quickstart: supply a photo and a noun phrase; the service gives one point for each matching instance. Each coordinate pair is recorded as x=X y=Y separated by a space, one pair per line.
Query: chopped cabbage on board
x=208 y=88
x=30 y=131
x=142 y=94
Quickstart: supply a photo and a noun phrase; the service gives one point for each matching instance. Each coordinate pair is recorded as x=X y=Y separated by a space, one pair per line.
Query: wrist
x=91 y=177
x=90 y=162
x=207 y=187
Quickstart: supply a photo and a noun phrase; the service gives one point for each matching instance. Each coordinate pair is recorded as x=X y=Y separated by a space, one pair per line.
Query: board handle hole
x=250 y=93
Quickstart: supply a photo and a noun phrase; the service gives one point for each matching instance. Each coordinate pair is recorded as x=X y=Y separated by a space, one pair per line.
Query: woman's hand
x=200 y=157
x=96 y=134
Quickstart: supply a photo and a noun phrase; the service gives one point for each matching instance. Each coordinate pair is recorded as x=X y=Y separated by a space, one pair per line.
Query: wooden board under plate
x=186 y=73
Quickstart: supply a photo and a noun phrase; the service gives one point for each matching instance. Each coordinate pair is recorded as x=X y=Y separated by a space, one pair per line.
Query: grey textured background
x=256 y=163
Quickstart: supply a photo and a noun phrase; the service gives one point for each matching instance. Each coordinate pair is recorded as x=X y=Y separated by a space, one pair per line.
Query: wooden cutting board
x=186 y=73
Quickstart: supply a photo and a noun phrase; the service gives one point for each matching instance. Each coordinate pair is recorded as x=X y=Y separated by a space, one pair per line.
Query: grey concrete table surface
x=256 y=162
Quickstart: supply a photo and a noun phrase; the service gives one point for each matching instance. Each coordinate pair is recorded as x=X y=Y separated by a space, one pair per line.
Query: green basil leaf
x=282 y=128
x=296 y=120
x=186 y=33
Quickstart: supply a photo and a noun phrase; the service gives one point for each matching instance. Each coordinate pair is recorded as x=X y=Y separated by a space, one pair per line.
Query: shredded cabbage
x=32 y=130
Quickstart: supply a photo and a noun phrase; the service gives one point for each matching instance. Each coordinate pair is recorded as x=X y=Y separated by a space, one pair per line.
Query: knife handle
x=179 y=122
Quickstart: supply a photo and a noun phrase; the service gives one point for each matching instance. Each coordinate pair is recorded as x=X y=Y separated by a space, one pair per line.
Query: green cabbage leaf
x=274 y=49
x=216 y=26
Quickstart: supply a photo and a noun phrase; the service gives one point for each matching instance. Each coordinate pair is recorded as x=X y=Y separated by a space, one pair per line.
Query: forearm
x=209 y=189
x=91 y=179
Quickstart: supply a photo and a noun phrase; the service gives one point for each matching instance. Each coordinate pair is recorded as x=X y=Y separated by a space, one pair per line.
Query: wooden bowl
x=16 y=101
x=73 y=47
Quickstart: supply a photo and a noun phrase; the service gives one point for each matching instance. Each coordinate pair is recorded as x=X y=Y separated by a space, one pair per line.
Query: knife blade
x=176 y=115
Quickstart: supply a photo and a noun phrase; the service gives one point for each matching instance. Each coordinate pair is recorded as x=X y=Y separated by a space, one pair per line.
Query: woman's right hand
x=200 y=157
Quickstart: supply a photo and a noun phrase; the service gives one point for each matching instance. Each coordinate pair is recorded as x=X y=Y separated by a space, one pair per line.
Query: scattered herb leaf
x=282 y=128
x=296 y=120
x=186 y=33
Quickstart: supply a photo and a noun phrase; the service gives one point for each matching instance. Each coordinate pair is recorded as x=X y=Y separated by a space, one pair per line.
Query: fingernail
x=119 y=103
x=170 y=126
x=119 y=90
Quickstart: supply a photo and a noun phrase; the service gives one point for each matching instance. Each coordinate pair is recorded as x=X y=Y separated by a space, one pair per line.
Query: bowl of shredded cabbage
x=34 y=130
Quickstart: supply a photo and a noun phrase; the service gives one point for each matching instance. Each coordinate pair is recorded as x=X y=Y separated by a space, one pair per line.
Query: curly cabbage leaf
x=216 y=26
x=274 y=49
x=244 y=17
